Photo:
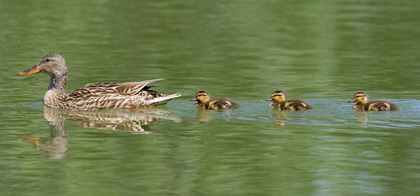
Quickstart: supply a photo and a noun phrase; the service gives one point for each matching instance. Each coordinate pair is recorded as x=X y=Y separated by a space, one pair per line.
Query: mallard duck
x=362 y=104
x=204 y=101
x=279 y=102
x=94 y=96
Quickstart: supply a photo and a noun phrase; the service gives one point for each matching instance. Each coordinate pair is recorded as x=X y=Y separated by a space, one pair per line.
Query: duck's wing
x=116 y=95
x=126 y=88
x=132 y=88
x=101 y=85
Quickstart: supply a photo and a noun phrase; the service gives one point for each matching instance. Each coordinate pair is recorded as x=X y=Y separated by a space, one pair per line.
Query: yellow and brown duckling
x=204 y=101
x=362 y=103
x=279 y=102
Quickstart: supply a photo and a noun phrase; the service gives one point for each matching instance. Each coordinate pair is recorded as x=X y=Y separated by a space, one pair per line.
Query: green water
x=320 y=51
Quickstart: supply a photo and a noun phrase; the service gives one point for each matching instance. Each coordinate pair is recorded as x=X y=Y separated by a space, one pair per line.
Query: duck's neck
x=56 y=91
x=58 y=84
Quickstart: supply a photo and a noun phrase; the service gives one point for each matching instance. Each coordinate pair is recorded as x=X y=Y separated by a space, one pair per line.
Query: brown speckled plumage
x=95 y=96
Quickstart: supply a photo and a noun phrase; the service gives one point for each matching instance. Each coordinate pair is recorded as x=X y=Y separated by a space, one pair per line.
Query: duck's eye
x=47 y=60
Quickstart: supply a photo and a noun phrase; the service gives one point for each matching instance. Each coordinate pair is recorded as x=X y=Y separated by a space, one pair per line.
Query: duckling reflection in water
x=362 y=119
x=204 y=101
x=362 y=103
x=54 y=146
x=279 y=115
x=203 y=115
x=280 y=103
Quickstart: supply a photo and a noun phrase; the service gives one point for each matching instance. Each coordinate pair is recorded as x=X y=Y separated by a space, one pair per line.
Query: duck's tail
x=164 y=99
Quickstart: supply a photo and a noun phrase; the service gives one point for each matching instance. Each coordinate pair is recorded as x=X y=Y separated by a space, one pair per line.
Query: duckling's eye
x=47 y=60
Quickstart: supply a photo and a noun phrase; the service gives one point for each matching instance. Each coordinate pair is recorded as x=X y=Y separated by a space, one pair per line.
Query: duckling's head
x=202 y=97
x=359 y=98
x=278 y=97
x=52 y=64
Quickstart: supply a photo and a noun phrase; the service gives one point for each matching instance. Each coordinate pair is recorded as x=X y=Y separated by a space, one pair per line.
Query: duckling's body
x=292 y=105
x=204 y=101
x=362 y=103
x=95 y=96
x=280 y=103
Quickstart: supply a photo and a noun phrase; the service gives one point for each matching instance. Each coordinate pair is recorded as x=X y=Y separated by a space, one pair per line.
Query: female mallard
x=362 y=104
x=94 y=96
x=204 y=101
x=280 y=102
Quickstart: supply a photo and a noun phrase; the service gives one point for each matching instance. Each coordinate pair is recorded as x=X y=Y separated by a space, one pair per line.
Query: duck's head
x=201 y=97
x=52 y=64
x=359 y=98
x=278 y=97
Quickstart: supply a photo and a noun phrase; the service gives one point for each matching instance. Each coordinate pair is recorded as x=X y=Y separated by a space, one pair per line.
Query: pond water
x=319 y=51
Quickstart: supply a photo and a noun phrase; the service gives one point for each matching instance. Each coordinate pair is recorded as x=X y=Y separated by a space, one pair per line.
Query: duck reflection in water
x=133 y=121
x=55 y=145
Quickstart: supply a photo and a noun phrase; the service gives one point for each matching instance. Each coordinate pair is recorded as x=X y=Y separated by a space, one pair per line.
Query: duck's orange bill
x=32 y=70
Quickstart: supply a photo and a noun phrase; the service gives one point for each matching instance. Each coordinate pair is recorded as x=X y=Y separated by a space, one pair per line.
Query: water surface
x=319 y=51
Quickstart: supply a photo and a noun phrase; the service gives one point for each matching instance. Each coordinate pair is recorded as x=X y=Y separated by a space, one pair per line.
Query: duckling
x=280 y=102
x=204 y=101
x=362 y=104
